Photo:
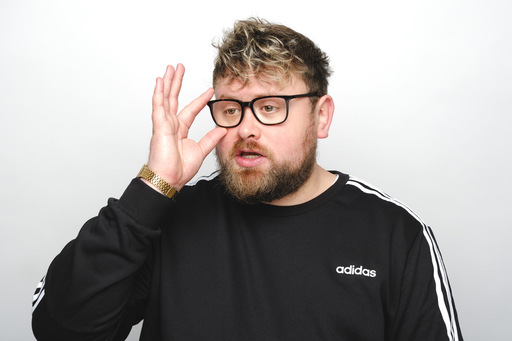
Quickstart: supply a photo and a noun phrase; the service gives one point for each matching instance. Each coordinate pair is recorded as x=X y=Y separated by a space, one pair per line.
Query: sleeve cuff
x=145 y=204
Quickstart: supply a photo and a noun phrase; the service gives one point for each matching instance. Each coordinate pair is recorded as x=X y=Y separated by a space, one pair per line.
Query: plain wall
x=422 y=93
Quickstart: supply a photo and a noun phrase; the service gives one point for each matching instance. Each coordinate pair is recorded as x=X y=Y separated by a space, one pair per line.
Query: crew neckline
x=275 y=210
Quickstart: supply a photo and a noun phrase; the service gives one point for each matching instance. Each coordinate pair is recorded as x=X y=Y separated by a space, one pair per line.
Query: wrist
x=156 y=182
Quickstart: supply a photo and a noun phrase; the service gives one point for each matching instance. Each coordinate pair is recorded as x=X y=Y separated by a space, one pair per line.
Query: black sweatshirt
x=351 y=264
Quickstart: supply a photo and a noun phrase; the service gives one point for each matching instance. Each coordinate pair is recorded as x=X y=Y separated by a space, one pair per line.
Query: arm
x=97 y=284
x=426 y=309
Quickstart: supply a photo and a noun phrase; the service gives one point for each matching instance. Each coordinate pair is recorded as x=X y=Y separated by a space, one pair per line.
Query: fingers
x=175 y=88
x=163 y=90
x=165 y=102
x=158 y=105
x=189 y=113
x=167 y=80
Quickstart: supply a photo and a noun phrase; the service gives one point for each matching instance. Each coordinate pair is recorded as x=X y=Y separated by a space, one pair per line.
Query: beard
x=251 y=185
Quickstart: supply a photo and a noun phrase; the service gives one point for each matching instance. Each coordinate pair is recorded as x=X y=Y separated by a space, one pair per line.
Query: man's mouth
x=249 y=158
x=249 y=155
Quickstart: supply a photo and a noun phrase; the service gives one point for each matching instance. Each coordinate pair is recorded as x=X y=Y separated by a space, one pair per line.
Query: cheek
x=224 y=146
x=287 y=147
x=294 y=152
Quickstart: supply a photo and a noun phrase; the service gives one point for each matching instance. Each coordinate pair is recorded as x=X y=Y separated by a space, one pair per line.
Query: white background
x=422 y=93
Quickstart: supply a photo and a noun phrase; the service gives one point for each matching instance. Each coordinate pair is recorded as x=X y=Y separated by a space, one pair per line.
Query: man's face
x=262 y=163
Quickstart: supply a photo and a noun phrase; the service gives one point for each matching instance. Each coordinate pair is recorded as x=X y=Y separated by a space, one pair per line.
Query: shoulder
x=365 y=193
x=378 y=209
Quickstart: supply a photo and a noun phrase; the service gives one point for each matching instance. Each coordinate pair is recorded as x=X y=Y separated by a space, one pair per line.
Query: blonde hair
x=258 y=47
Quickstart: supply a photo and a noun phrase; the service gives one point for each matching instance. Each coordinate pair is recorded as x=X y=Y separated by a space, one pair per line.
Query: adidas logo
x=359 y=271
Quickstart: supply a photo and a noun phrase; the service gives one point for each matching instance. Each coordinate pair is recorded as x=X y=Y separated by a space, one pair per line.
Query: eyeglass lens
x=270 y=110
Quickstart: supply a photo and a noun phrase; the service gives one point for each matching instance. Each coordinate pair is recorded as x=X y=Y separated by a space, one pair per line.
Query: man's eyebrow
x=238 y=99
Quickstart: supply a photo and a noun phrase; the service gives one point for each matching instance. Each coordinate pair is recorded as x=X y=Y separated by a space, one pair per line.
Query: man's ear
x=325 y=112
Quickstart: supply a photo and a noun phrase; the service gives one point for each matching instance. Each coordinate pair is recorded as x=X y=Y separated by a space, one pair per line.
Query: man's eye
x=231 y=111
x=268 y=108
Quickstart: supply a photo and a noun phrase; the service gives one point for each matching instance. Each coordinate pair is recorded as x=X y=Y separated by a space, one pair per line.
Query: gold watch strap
x=158 y=182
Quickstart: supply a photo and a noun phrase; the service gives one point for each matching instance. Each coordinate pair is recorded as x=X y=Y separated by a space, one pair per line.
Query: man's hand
x=172 y=155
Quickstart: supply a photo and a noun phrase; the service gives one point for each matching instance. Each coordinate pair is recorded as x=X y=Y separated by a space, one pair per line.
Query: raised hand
x=173 y=156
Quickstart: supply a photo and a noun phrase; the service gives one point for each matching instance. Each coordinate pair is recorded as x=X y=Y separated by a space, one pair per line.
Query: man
x=272 y=247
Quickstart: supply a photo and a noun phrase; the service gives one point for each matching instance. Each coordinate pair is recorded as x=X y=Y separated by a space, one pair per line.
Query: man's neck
x=318 y=182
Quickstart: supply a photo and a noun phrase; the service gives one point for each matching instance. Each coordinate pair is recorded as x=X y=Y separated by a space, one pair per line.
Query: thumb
x=210 y=140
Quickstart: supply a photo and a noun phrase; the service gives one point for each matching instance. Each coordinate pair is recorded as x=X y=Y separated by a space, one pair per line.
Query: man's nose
x=250 y=127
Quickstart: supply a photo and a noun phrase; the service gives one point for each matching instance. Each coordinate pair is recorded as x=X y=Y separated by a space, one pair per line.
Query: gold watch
x=158 y=182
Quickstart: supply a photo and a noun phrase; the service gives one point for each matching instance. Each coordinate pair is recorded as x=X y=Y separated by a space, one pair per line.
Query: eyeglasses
x=268 y=110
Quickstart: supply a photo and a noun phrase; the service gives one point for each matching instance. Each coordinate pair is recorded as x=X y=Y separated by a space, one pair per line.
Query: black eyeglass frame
x=250 y=104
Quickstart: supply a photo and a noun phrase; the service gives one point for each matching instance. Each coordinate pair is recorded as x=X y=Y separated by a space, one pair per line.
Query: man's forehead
x=265 y=85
